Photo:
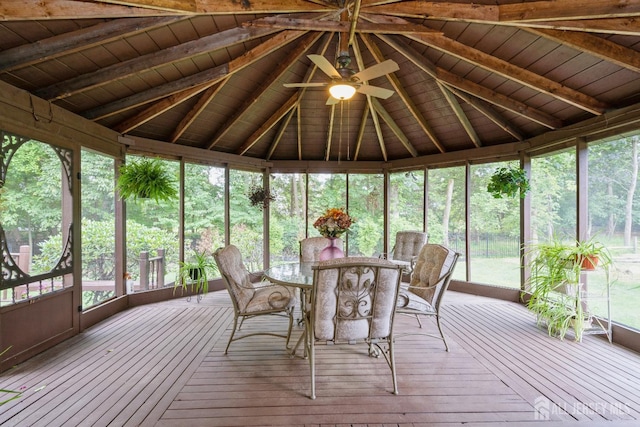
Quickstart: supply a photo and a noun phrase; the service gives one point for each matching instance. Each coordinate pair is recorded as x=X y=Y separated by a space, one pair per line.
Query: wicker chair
x=429 y=282
x=353 y=300
x=252 y=297
x=311 y=247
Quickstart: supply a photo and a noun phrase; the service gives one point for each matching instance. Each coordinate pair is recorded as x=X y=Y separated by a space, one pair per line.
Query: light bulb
x=342 y=91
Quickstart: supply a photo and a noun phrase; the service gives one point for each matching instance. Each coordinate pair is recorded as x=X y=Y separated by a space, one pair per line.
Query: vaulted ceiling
x=211 y=73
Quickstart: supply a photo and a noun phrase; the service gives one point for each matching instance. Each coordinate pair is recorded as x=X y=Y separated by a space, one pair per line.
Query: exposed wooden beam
x=451 y=79
x=408 y=102
x=268 y=124
x=281 y=130
x=22 y=10
x=460 y=114
x=594 y=45
x=508 y=71
x=327 y=146
x=204 y=79
x=205 y=98
x=360 y=134
x=552 y=10
x=228 y=7
x=487 y=110
x=549 y=10
x=221 y=40
x=75 y=41
x=301 y=47
x=391 y=123
x=337 y=26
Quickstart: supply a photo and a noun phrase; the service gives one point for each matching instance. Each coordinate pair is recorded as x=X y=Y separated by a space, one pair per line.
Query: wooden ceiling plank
x=206 y=77
x=445 y=76
x=268 y=124
x=507 y=70
x=462 y=117
x=75 y=41
x=485 y=108
x=406 y=99
x=594 y=45
x=281 y=130
x=205 y=98
x=514 y=73
x=158 y=108
x=105 y=75
x=301 y=47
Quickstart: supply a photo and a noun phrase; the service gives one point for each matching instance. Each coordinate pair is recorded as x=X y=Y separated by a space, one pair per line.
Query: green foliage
x=196 y=273
x=554 y=283
x=508 y=182
x=146 y=179
x=260 y=197
x=368 y=236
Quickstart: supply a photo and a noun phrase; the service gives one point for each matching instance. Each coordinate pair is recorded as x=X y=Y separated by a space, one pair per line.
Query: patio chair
x=252 y=297
x=311 y=247
x=353 y=301
x=429 y=282
x=407 y=247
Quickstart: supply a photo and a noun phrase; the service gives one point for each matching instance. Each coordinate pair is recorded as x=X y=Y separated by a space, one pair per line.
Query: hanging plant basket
x=260 y=197
x=508 y=182
x=146 y=179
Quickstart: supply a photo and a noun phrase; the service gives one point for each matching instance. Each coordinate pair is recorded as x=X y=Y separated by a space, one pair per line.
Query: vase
x=332 y=250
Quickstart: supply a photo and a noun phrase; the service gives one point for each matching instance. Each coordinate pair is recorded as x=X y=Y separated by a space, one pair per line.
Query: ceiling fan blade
x=304 y=84
x=331 y=100
x=378 y=92
x=386 y=67
x=326 y=67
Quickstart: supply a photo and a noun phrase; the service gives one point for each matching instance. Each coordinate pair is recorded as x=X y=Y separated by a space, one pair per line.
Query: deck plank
x=164 y=365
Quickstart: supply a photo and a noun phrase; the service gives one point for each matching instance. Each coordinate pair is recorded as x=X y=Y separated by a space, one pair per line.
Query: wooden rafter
x=460 y=114
x=124 y=69
x=301 y=47
x=479 y=91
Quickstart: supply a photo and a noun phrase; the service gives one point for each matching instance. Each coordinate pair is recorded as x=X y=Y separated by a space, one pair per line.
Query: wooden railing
x=151 y=270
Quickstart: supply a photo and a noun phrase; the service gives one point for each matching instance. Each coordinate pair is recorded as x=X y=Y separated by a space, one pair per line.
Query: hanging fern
x=146 y=179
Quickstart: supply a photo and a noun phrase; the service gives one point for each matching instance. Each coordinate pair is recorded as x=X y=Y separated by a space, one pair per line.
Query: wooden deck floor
x=163 y=365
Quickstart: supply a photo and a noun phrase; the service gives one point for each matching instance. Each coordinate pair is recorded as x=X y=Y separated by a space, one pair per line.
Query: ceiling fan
x=345 y=82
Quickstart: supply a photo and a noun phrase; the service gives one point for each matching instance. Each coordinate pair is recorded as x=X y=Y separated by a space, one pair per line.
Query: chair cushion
x=408 y=301
x=354 y=302
x=433 y=261
x=268 y=297
x=408 y=245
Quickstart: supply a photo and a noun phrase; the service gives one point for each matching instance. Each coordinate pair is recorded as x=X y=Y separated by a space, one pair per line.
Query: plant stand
x=597 y=327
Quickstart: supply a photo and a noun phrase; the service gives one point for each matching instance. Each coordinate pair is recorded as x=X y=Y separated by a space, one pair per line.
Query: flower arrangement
x=334 y=222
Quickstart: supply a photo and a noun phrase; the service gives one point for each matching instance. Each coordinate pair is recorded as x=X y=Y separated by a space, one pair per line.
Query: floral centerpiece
x=334 y=223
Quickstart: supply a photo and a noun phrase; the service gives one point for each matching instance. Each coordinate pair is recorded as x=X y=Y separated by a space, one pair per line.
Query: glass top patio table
x=298 y=274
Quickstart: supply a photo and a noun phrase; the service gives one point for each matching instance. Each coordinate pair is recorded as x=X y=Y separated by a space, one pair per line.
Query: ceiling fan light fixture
x=342 y=91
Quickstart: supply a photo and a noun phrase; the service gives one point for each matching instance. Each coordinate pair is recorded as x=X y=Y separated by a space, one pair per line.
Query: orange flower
x=334 y=222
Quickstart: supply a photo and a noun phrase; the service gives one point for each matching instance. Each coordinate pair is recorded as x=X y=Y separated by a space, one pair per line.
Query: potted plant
x=260 y=196
x=508 y=182
x=555 y=289
x=146 y=179
x=196 y=273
